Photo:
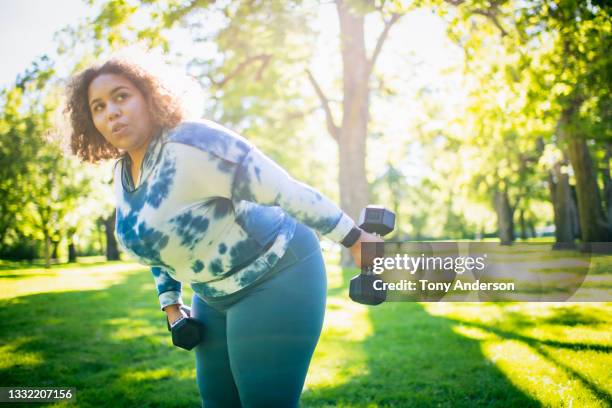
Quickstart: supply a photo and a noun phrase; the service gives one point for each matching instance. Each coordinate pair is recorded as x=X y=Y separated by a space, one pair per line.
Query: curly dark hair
x=85 y=140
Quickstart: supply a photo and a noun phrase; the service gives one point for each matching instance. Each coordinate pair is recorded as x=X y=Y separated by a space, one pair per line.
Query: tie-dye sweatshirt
x=212 y=210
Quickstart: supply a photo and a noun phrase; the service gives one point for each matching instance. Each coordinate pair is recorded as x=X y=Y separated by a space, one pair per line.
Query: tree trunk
x=99 y=224
x=523 y=224
x=560 y=195
x=605 y=171
x=353 y=131
x=55 y=250
x=47 y=250
x=396 y=234
x=532 y=230
x=505 y=213
x=72 y=253
x=575 y=214
x=112 y=251
x=593 y=225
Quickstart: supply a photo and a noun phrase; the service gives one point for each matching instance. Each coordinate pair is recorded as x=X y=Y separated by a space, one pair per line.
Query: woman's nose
x=113 y=111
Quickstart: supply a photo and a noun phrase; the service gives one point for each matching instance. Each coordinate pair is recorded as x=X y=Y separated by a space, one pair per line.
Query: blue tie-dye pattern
x=190 y=228
x=203 y=289
x=137 y=198
x=164 y=282
x=212 y=139
x=260 y=221
x=197 y=266
x=259 y=196
x=216 y=266
x=161 y=186
x=222 y=207
x=245 y=189
x=243 y=252
x=225 y=166
x=143 y=241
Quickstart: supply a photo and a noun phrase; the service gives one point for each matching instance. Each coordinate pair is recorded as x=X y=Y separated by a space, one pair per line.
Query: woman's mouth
x=118 y=128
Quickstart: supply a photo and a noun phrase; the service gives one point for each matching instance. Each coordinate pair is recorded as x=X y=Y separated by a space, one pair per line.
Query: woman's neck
x=137 y=156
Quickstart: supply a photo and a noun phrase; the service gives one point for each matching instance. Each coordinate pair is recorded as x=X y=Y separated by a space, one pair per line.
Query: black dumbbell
x=187 y=332
x=380 y=221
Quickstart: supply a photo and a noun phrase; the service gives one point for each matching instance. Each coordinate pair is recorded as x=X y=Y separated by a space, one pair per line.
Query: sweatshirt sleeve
x=261 y=180
x=168 y=289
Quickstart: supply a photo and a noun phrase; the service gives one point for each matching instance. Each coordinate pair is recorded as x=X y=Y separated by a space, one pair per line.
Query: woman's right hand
x=355 y=250
x=173 y=312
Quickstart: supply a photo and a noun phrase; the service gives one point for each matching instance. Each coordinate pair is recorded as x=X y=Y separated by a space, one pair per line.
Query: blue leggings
x=258 y=344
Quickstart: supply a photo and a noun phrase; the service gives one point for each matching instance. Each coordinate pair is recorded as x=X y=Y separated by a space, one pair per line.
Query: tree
x=561 y=60
x=253 y=60
x=44 y=188
x=576 y=70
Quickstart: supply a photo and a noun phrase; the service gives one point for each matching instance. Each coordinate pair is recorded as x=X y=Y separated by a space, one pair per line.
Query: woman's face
x=120 y=112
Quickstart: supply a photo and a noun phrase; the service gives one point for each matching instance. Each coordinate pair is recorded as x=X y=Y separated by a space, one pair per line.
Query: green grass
x=97 y=327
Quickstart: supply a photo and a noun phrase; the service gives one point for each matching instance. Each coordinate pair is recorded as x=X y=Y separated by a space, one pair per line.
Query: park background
x=470 y=119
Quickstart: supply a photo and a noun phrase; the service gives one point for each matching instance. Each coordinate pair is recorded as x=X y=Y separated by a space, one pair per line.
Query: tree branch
x=177 y=12
x=265 y=58
x=381 y=40
x=332 y=128
x=491 y=14
x=264 y=64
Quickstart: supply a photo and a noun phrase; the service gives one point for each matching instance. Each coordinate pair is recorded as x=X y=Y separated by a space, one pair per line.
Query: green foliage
x=25 y=119
x=525 y=63
x=43 y=188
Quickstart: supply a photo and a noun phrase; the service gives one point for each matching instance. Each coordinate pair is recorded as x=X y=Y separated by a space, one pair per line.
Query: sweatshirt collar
x=149 y=161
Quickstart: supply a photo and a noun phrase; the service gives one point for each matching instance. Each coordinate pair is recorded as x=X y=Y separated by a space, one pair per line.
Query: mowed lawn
x=97 y=327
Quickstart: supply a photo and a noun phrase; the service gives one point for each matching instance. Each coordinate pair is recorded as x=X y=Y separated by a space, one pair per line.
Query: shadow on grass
x=563 y=317
x=414 y=359
x=111 y=344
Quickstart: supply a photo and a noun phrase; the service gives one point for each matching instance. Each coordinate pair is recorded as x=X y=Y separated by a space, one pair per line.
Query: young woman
x=202 y=205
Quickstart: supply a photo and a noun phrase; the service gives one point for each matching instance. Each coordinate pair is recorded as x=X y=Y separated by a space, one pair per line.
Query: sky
x=27 y=28
x=26 y=31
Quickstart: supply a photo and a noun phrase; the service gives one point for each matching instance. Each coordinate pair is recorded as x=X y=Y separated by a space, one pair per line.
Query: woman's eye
x=97 y=108
x=121 y=97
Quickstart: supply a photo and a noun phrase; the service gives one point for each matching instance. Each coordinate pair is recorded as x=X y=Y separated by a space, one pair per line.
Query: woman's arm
x=261 y=180
x=168 y=289
x=236 y=169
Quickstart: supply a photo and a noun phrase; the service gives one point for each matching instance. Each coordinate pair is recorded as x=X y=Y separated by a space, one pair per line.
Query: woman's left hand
x=356 y=248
